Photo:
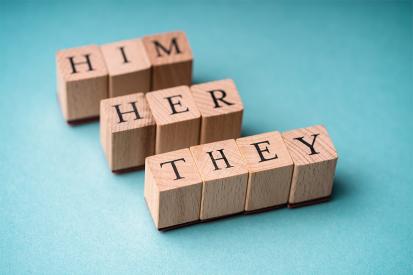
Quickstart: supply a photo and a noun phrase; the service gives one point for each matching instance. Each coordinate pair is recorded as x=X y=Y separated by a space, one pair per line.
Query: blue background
x=347 y=65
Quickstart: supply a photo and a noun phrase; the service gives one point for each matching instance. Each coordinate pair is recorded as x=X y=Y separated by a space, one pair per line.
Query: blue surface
x=347 y=65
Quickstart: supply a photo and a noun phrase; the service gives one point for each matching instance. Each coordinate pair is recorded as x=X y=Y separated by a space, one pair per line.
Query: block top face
x=173 y=170
x=309 y=145
x=166 y=48
x=228 y=160
x=264 y=151
x=127 y=112
x=172 y=105
x=217 y=97
x=81 y=63
x=125 y=56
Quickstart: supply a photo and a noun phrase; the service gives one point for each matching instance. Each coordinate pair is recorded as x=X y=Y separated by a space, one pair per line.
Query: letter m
x=161 y=49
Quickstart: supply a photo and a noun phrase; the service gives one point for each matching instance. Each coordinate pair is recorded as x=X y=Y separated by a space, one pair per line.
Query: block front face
x=127 y=131
x=172 y=188
x=221 y=110
x=225 y=175
x=82 y=81
x=171 y=58
x=315 y=159
x=270 y=167
x=177 y=118
x=128 y=66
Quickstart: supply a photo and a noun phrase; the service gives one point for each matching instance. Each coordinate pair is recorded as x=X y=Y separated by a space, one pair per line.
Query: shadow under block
x=224 y=175
x=171 y=59
x=129 y=67
x=315 y=159
x=270 y=169
x=127 y=131
x=177 y=118
x=221 y=109
x=173 y=188
x=82 y=81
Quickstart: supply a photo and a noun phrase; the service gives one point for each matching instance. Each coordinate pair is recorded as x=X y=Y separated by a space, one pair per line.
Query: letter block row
x=249 y=174
x=135 y=126
x=88 y=74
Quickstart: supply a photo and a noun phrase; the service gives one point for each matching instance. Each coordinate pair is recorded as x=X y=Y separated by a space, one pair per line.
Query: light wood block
x=129 y=67
x=315 y=160
x=171 y=59
x=177 y=118
x=270 y=169
x=82 y=81
x=172 y=188
x=127 y=131
x=225 y=176
x=221 y=110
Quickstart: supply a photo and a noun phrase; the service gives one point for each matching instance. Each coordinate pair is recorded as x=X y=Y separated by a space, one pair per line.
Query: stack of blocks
x=141 y=90
x=248 y=174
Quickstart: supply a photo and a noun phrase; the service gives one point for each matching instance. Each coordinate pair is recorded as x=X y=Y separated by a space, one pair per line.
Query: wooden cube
x=270 y=169
x=127 y=131
x=171 y=59
x=315 y=160
x=129 y=67
x=82 y=81
x=172 y=188
x=177 y=118
x=221 y=110
x=225 y=176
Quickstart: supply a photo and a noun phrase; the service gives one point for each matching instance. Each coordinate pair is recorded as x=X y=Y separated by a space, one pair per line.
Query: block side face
x=264 y=151
x=268 y=188
x=130 y=83
x=222 y=127
x=84 y=96
x=171 y=75
x=236 y=163
x=127 y=112
x=323 y=148
x=312 y=181
x=223 y=197
x=82 y=70
x=167 y=48
x=217 y=98
x=172 y=105
x=131 y=147
x=180 y=205
x=125 y=57
x=151 y=194
x=166 y=176
x=62 y=93
x=177 y=135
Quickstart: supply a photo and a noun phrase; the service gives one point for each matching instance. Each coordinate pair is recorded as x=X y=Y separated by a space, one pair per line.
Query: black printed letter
x=120 y=114
x=223 y=157
x=176 y=103
x=172 y=45
x=122 y=51
x=172 y=162
x=259 y=150
x=311 y=146
x=73 y=63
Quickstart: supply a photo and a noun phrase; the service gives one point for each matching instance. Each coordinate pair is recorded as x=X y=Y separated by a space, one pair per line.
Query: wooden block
x=177 y=118
x=270 y=169
x=225 y=176
x=129 y=67
x=172 y=188
x=82 y=81
x=127 y=131
x=171 y=59
x=315 y=159
x=221 y=110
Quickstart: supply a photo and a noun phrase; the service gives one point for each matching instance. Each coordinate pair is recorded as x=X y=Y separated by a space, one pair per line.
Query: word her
x=88 y=74
x=249 y=174
x=135 y=126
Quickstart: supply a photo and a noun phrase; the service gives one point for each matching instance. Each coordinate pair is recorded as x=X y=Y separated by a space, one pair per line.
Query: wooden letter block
x=172 y=188
x=221 y=110
x=171 y=59
x=129 y=67
x=82 y=81
x=270 y=169
x=225 y=176
x=315 y=159
x=127 y=131
x=177 y=118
